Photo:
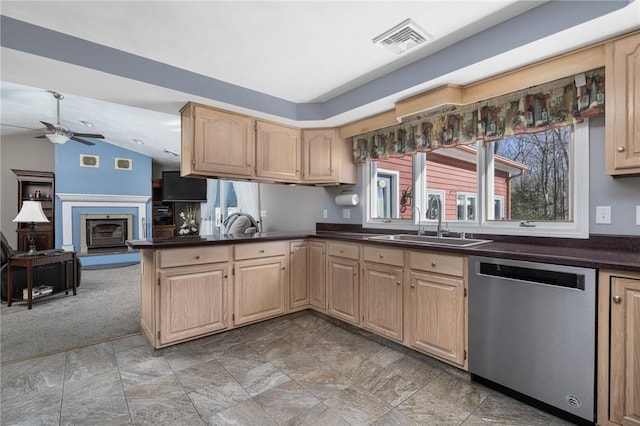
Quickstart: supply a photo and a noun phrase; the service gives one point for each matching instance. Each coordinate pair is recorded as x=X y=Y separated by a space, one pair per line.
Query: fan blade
x=73 y=138
x=49 y=126
x=88 y=135
x=18 y=127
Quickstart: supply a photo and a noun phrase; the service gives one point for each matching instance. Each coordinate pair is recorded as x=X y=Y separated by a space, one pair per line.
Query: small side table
x=68 y=258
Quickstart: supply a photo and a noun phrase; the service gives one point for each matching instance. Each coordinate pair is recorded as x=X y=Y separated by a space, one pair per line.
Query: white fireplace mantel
x=69 y=201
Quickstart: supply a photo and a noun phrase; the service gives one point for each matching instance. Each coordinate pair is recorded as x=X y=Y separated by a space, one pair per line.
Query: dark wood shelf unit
x=32 y=183
x=162 y=212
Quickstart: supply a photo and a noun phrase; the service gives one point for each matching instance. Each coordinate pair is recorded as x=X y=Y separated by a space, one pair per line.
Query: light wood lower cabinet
x=184 y=293
x=619 y=348
x=317 y=275
x=438 y=306
x=260 y=282
x=382 y=292
x=193 y=302
x=299 y=257
x=344 y=282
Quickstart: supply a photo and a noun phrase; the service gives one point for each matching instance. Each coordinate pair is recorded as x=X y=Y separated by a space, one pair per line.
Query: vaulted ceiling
x=128 y=67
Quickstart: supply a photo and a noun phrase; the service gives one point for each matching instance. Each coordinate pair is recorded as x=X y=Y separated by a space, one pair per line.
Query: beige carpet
x=107 y=305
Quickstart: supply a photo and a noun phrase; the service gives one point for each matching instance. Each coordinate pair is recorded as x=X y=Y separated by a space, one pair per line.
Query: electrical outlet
x=603 y=215
x=263 y=213
x=638 y=215
x=325 y=213
x=346 y=214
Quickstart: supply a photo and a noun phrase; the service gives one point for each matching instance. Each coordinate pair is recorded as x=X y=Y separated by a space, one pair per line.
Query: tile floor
x=294 y=370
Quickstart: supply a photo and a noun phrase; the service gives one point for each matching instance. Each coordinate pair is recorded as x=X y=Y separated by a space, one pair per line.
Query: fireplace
x=105 y=233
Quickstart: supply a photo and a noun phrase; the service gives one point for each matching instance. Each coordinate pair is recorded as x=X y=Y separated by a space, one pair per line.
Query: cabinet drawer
x=449 y=264
x=384 y=255
x=352 y=251
x=252 y=251
x=192 y=256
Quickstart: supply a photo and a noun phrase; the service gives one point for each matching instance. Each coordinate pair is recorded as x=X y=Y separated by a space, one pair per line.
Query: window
x=387 y=201
x=391 y=189
x=525 y=184
x=466 y=207
x=432 y=204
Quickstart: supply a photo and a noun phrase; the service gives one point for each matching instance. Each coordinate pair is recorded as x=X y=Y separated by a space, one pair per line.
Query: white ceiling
x=307 y=63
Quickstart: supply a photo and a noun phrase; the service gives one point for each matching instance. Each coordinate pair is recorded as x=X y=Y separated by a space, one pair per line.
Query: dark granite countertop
x=599 y=251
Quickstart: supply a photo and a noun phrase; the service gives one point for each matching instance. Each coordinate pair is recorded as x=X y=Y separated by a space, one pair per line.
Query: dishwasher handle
x=533 y=275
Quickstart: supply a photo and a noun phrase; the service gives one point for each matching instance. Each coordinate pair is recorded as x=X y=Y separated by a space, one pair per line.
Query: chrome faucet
x=440 y=230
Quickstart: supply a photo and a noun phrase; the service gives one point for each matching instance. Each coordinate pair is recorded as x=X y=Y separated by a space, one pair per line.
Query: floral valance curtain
x=548 y=105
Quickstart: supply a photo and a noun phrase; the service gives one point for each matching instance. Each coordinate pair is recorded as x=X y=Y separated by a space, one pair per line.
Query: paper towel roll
x=347 y=200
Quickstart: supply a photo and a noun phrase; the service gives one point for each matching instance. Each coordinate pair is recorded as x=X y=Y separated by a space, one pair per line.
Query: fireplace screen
x=105 y=233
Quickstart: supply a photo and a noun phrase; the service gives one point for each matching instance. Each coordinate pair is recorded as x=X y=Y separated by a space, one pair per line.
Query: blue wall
x=105 y=179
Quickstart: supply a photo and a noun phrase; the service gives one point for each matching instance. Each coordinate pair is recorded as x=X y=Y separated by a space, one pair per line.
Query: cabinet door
x=382 y=298
x=259 y=289
x=317 y=275
x=623 y=106
x=437 y=316
x=319 y=155
x=625 y=351
x=223 y=143
x=277 y=152
x=193 y=302
x=344 y=283
x=298 y=275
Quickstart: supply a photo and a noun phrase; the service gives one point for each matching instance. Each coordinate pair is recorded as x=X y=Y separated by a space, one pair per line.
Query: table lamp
x=31 y=213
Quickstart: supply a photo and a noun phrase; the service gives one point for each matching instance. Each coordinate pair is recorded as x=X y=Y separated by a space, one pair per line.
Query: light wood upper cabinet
x=618 y=349
x=193 y=302
x=299 y=257
x=623 y=106
x=382 y=291
x=216 y=143
x=278 y=152
x=260 y=283
x=317 y=275
x=326 y=159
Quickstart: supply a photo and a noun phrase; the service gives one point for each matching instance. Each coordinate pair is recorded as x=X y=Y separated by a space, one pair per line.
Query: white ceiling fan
x=59 y=134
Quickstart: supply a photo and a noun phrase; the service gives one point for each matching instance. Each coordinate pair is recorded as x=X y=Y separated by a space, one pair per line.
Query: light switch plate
x=325 y=213
x=263 y=213
x=603 y=215
x=346 y=214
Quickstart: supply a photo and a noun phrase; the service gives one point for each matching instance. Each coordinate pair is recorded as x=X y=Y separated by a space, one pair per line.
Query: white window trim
x=500 y=198
x=395 y=180
x=578 y=228
x=441 y=193
x=467 y=195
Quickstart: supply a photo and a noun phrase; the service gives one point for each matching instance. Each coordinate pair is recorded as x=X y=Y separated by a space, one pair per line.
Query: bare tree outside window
x=543 y=191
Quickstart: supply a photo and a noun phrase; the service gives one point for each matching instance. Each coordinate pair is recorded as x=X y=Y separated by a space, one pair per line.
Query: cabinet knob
x=198 y=257
x=261 y=251
x=412 y=285
x=433 y=263
x=381 y=255
x=341 y=250
x=398 y=282
x=620 y=148
x=617 y=299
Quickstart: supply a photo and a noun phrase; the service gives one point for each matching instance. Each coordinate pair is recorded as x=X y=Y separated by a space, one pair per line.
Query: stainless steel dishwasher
x=532 y=329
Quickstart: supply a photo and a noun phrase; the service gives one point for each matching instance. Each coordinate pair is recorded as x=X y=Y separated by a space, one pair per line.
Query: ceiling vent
x=404 y=36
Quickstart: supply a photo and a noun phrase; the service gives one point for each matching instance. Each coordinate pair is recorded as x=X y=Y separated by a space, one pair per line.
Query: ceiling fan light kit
x=56 y=139
x=60 y=135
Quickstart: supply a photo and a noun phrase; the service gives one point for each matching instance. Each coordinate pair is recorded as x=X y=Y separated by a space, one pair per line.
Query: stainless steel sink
x=429 y=240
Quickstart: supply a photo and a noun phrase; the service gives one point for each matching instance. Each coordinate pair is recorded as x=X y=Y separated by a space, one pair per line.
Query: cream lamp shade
x=31 y=211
